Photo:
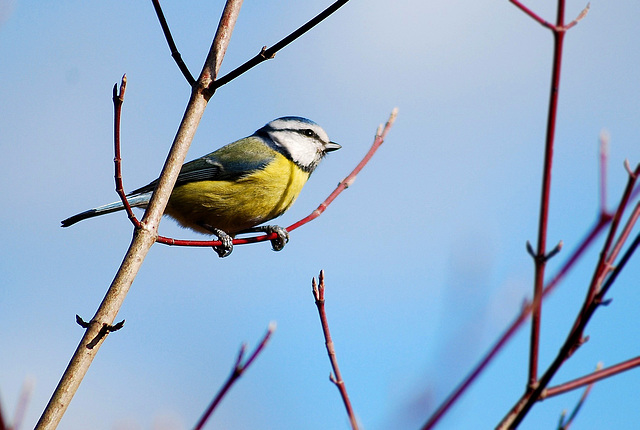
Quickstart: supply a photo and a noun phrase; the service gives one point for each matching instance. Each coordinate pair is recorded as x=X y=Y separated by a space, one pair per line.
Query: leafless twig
x=336 y=376
x=236 y=373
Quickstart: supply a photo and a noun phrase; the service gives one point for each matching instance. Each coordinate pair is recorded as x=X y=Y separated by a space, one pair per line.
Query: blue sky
x=424 y=255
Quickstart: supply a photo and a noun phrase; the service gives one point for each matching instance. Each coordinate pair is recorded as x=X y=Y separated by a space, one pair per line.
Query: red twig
x=335 y=377
x=591 y=304
x=566 y=423
x=381 y=134
x=631 y=222
x=602 y=222
x=236 y=373
x=604 y=218
x=344 y=184
x=607 y=257
x=118 y=100
x=596 y=376
x=541 y=257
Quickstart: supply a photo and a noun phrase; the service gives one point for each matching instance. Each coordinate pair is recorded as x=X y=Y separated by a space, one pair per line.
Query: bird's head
x=300 y=139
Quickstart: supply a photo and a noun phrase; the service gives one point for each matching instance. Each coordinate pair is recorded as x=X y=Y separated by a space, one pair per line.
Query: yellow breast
x=233 y=206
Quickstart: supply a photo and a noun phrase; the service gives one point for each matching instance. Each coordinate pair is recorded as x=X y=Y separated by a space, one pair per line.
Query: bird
x=241 y=185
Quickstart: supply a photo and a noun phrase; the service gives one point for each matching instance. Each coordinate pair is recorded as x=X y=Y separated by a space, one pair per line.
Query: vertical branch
x=118 y=100
x=145 y=236
x=336 y=376
x=541 y=257
x=594 y=299
x=585 y=243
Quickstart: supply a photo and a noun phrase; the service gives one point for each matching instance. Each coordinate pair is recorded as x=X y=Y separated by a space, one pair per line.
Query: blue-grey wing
x=228 y=163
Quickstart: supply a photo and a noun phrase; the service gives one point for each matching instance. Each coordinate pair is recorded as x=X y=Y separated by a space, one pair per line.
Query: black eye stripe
x=303 y=131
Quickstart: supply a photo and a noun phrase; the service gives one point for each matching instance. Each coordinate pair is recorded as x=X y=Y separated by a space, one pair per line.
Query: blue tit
x=241 y=185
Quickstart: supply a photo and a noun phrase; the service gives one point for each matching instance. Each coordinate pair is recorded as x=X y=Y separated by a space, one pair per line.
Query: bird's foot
x=226 y=247
x=279 y=242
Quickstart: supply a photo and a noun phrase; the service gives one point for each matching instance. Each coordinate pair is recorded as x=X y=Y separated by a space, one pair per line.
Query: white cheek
x=303 y=154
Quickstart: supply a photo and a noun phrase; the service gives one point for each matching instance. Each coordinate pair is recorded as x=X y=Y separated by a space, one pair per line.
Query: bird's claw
x=279 y=242
x=283 y=236
x=226 y=246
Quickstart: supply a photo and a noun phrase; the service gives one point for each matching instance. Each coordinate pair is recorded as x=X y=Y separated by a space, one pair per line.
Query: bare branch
x=236 y=373
x=596 y=376
x=335 y=377
x=269 y=53
x=172 y=45
x=145 y=236
x=585 y=243
x=540 y=260
x=595 y=298
x=118 y=100
x=566 y=423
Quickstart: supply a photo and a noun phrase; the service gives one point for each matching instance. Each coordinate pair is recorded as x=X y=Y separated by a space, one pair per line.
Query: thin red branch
x=533 y=15
x=596 y=376
x=118 y=100
x=566 y=423
x=541 y=255
x=605 y=261
x=603 y=221
x=381 y=134
x=236 y=373
x=631 y=222
x=336 y=376
x=591 y=304
x=579 y=18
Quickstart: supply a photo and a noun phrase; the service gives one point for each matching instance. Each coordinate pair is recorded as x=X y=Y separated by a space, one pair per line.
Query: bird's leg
x=225 y=249
x=279 y=242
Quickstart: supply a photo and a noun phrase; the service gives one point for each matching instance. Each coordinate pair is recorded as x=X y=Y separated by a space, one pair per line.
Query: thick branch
x=145 y=236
